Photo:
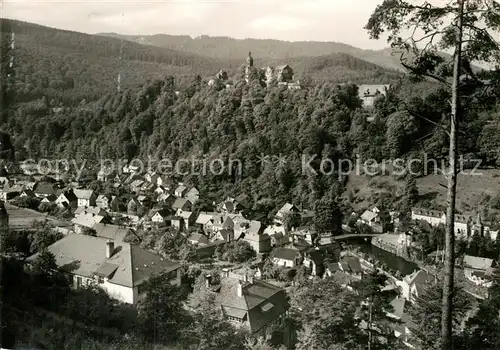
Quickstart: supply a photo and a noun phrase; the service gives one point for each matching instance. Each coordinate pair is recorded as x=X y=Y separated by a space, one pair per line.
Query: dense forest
x=169 y=115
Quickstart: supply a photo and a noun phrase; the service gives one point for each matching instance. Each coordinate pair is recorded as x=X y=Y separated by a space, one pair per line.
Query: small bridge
x=355 y=235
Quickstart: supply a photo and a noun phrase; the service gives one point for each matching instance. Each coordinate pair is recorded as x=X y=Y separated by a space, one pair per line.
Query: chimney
x=240 y=288
x=245 y=278
x=208 y=279
x=110 y=248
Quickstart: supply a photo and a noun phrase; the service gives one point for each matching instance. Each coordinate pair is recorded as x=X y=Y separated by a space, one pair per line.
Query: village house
x=85 y=198
x=160 y=190
x=198 y=239
x=44 y=189
x=90 y=210
x=103 y=201
x=165 y=182
x=27 y=193
x=286 y=257
x=151 y=177
x=181 y=204
x=285 y=210
x=49 y=199
x=180 y=191
x=121 y=269
x=86 y=221
x=478 y=270
x=115 y=233
x=230 y=206
x=160 y=217
x=67 y=200
x=279 y=237
x=412 y=285
x=165 y=199
x=436 y=218
x=251 y=231
x=314 y=260
x=187 y=218
x=132 y=206
x=8 y=193
x=212 y=222
x=177 y=222
x=251 y=304
x=193 y=195
x=144 y=200
x=224 y=235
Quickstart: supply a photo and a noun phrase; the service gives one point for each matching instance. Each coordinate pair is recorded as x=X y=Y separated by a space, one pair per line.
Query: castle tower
x=248 y=67
x=4 y=217
x=249 y=59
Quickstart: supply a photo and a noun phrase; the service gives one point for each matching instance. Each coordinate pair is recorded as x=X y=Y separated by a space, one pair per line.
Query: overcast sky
x=293 y=20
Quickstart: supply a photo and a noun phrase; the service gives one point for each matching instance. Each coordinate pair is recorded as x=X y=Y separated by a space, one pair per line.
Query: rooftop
x=129 y=265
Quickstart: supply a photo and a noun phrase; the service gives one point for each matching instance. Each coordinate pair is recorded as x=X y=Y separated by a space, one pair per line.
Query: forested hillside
x=66 y=67
x=247 y=122
x=225 y=47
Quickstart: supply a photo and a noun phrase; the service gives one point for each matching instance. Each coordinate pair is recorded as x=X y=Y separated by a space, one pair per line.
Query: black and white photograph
x=250 y=174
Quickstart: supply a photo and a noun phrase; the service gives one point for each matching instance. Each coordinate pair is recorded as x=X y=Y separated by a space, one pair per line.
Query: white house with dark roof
x=103 y=201
x=85 y=198
x=478 y=270
x=193 y=195
x=251 y=304
x=436 y=217
x=286 y=209
x=412 y=285
x=180 y=191
x=121 y=269
x=286 y=257
x=86 y=220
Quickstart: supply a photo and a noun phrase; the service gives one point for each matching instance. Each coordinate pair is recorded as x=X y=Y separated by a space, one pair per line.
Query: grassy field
x=474 y=191
x=22 y=218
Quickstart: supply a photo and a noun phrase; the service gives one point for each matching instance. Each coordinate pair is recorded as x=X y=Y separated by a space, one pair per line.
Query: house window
x=236 y=319
x=79 y=281
x=100 y=280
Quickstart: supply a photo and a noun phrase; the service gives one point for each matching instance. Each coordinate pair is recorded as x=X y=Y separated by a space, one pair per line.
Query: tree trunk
x=446 y=320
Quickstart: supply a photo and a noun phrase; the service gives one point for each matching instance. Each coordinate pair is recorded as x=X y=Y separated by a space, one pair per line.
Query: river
x=392 y=261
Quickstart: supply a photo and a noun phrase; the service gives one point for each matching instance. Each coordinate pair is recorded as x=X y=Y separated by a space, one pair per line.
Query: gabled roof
x=205 y=217
x=90 y=210
x=287 y=207
x=475 y=262
x=87 y=220
x=368 y=216
x=179 y=203
x=261 y=302
x=181 y=189
x=285 y=254
x=86 y=255
x=354 y=264
x=45 y=188
x=198 y=238
x=185 y=214
x=83 y=194
x=113 y=232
